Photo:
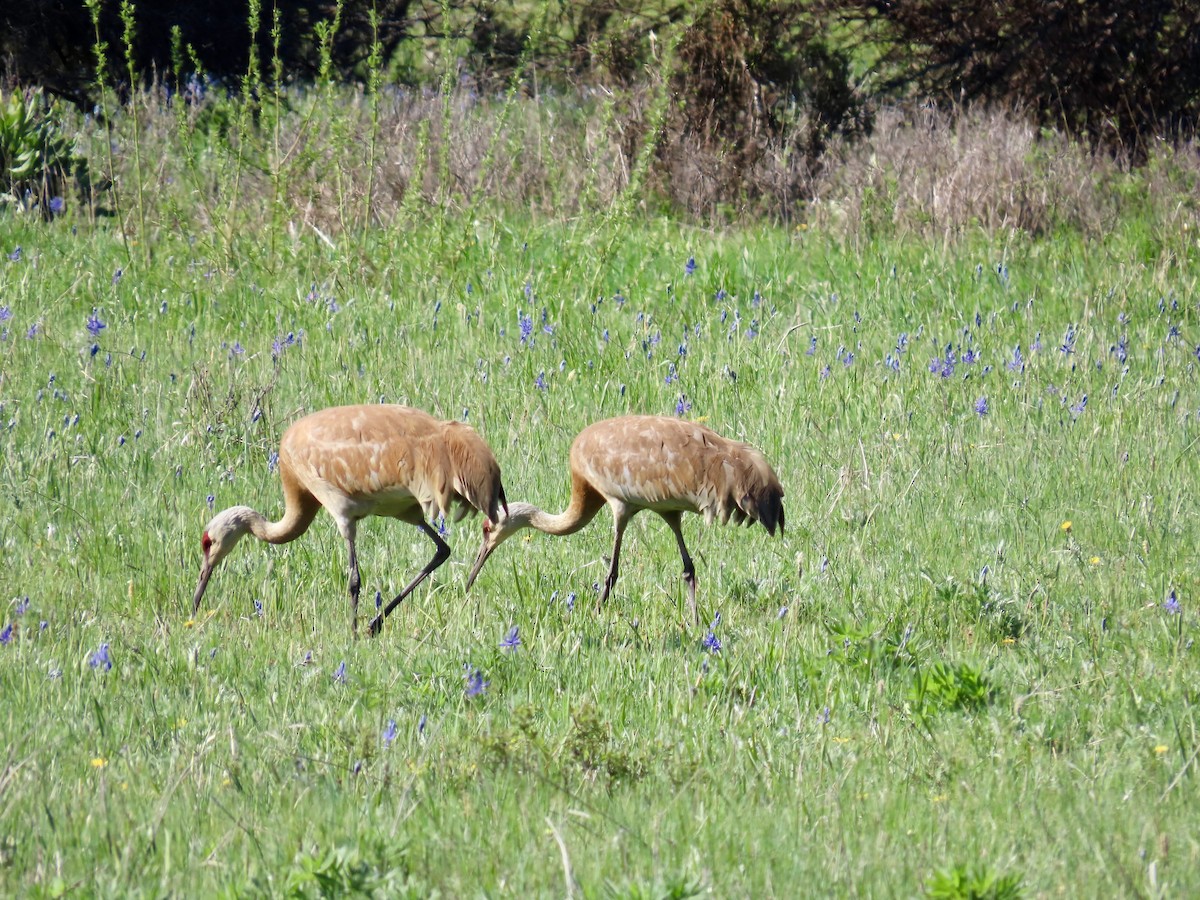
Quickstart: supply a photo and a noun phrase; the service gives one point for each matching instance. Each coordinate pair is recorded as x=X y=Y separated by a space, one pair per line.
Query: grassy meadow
x=967 y=665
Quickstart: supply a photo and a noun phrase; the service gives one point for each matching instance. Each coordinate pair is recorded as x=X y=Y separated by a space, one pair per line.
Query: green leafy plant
x=340 y=872
x=942 y=686
x=37 y=158
x=962 y=883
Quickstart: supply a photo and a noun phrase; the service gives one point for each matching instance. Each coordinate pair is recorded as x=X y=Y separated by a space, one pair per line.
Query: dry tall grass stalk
x=924 y=171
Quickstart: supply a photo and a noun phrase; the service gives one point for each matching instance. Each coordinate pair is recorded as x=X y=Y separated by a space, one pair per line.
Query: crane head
x=495 y=533
x=220 y=536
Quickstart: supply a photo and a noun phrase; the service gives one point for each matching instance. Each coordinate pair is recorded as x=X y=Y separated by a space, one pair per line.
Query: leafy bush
x=758 y=83
x=1120 y=73
x=37 y=159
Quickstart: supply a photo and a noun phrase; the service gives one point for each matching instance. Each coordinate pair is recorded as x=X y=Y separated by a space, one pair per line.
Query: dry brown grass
x=923 y=171
x=935 y=172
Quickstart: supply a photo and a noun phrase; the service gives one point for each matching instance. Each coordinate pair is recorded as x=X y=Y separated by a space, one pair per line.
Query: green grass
x=882 y=717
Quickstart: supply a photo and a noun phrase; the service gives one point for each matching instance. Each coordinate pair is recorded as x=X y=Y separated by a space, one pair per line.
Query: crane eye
x=487 y=526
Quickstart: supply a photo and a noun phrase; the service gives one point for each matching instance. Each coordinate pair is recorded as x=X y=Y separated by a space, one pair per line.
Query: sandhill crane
x=658 y=463
x=370 y=460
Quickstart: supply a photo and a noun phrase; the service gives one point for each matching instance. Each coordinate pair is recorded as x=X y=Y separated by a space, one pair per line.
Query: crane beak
x=206 y=571
x=484 y=552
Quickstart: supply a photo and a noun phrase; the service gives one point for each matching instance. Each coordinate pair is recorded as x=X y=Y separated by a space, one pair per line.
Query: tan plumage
x=658 y=463
x=369 y=460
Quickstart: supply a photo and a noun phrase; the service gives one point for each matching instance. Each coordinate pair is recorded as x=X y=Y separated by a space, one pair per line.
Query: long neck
x=584 y=505
x=300 y=508
x=295 y=522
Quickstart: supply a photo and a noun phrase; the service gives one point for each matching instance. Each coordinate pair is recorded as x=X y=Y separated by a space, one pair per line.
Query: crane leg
x=620 y=520
x=440 y=556
x=675 y=520
x=355 y=585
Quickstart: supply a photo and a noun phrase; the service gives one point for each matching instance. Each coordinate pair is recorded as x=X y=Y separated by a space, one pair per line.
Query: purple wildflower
x=475 y=682
x=389 y=733
x=712 y=643
x=540 y=381
x=15 y=256
x=512 y=640
x=6 y=634
x=981 y=407
x=22 y=606
x=94 y=324
x=57 y=205
x=1171 y=604
x=100 y=659
x=688 y=269
x=683 y=405
x=339 y=674
x=525 y=323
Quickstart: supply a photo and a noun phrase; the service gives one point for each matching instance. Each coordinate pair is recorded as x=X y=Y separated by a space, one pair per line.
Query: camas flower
x=512 y=640
x=100 y=659
x=94 y=324
x=475 y=682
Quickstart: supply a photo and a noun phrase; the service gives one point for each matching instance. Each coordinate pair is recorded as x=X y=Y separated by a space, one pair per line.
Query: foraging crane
x=370 y=460
x=658 y=463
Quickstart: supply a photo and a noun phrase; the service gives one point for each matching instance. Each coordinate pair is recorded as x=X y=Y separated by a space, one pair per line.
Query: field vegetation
x=967 y=343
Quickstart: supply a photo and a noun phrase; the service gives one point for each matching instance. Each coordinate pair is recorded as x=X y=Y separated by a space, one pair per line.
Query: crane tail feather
x=476 y=472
